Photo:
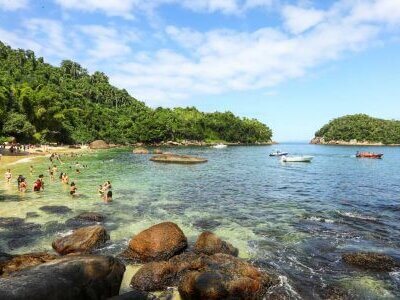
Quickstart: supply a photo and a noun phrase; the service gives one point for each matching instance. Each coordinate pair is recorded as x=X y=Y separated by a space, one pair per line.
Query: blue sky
x=292 y=64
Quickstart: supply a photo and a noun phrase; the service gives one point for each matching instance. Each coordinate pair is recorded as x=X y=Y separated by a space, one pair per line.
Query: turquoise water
x=292 y=219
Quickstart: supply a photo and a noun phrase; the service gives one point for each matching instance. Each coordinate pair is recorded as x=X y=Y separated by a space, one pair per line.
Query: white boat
x=278 y=153
x=296 y=158
x=219 y=146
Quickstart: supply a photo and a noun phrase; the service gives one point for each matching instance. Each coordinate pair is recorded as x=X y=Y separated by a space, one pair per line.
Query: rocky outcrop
x=12 y=263
x=370 y=261
x=321 y=141
x=99 y=144
x=82 y=240
x=209 y=243
x=200 y=276
x=223 y=276
x=68 y=278
x=177 y=159
x=133 y=295
x=159 y=242
x=140 y=151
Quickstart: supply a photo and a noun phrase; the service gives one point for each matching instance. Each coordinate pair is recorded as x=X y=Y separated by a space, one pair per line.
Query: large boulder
x=177 y=159
x=68 y=278
x=223 y=276
x=159 y=242
x=201 y=276
x=82 y=240
x=370 y=261
x=13 y=263
x=99 y=144
x=209 y=243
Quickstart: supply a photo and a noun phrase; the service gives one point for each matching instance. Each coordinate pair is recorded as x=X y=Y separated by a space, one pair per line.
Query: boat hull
x=297 y=159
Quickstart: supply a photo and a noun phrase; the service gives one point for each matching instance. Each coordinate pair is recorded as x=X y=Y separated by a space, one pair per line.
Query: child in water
x=73 y=189
x=8 y=175
x=108 y=197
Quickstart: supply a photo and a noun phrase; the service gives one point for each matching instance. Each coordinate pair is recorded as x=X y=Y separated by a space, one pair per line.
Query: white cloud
x=11 y=5
x=129 y=8
x=298 y=20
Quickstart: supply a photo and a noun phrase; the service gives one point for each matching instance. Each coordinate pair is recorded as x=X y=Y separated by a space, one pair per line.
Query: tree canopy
x=43 y=103
x=362 y=128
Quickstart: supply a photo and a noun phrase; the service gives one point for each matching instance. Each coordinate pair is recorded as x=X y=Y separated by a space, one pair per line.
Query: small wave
x=62 y=234
x=357 y=216
x=395 y=276
x=319 y=219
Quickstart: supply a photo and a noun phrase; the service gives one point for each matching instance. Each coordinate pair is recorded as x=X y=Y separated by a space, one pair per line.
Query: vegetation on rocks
x=360 y=128
x=66 y=104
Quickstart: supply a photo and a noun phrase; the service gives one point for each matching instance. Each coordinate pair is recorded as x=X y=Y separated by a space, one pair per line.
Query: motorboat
x=278 y=153
x=220 y=146
x=369 y=155
x=296 y=158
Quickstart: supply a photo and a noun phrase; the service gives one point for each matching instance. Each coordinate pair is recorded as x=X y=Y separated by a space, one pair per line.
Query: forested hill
x=362 y=128
x=43 y=103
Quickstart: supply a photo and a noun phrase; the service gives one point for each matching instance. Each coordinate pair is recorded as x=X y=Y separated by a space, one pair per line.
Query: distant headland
x=359 y=130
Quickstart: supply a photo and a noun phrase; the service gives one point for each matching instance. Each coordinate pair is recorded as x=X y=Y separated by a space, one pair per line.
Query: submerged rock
x=85 y=219
x=177 y=159
x=32 y=214
x=209 y=243
x=99 y=144
x=68 y=278
x=159 y=242
x=55 y=209
x=11 y=222
x=370 y=261
x=14 y=263
x=206 y=224
x=154 y=276
x=82 y=240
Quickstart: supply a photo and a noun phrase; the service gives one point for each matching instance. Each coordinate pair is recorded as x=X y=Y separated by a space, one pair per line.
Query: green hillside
x=361 y=127
x=66 y=104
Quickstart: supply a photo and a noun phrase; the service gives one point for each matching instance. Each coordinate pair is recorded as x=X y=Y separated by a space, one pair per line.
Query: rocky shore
x=354 y=142
x=208 y=269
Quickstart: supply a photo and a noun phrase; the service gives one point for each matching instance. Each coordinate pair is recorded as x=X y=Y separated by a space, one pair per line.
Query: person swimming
x=31 y=170
x=73 y=189
x=108 y=197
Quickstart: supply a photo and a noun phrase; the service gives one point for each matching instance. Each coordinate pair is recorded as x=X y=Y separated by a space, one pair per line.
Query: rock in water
x=223 y=276
x=82 y=240
x=55 y=209
x=140 y=151
x=370 y=261
x=177 y=159
x=85 y=219
x=200 y=276
x=208 y=243
x=18 y=262
x=99 y=144
x=68 y=278
x=159 y=242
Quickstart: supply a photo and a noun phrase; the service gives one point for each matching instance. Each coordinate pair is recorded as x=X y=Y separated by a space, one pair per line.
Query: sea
x=291 y=219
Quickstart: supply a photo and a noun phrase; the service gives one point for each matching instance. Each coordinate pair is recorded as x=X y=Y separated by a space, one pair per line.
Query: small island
x=359 y=130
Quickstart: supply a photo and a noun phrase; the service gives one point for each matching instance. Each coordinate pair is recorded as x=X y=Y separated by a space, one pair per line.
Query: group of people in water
x=105 y=190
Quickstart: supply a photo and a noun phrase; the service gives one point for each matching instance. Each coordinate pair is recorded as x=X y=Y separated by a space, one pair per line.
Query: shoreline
x=354 y=143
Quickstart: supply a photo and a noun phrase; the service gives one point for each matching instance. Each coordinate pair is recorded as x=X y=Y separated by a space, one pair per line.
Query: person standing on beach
x=8 y=175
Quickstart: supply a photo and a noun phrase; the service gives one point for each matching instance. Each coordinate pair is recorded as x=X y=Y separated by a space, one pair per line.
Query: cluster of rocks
x=353 y=142
x=209 y=269
x=177 y=159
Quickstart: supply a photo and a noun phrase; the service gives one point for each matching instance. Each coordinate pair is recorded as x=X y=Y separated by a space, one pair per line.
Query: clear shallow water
x=294 y=219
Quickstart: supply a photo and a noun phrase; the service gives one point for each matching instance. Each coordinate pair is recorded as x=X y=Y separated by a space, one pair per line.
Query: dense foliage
x=43 y=103
x=362 y=128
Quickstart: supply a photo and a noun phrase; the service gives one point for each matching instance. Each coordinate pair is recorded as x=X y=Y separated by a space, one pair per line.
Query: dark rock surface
x=55 y=209
x=68 y=278
x=209 y=243
x=370 y=261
